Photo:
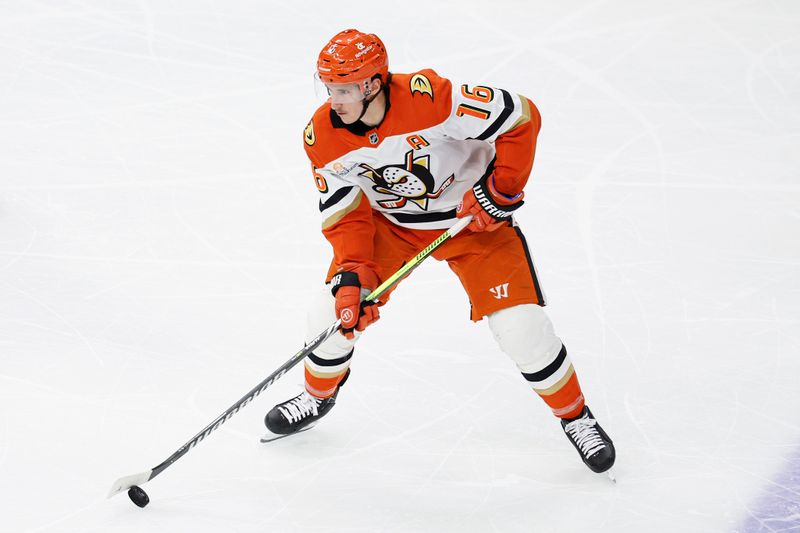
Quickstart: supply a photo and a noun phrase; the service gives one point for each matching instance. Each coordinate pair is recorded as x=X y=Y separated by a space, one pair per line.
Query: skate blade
x=269 y=437
x=611 y=476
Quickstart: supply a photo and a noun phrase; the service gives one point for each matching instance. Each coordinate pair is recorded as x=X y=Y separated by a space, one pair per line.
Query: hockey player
x=397 y=158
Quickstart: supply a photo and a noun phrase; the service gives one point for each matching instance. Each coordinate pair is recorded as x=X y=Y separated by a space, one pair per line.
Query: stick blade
x=124 y=483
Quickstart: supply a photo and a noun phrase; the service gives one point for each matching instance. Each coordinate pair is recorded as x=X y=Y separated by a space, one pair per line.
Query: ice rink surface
x=159 y=237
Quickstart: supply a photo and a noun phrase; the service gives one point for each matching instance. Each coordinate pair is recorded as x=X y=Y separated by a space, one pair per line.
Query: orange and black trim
x=539 y=294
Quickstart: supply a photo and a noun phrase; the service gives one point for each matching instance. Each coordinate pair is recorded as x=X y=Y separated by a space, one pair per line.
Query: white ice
x=159 y=236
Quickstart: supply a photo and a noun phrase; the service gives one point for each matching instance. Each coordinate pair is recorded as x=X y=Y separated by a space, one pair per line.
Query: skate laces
x=583 y=432
x=300 y=407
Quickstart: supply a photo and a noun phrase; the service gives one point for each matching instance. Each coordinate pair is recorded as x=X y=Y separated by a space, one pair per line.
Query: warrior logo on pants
x=501 y=291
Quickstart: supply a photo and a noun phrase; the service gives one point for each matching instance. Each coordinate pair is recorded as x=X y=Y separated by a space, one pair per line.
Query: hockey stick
x=134 y=480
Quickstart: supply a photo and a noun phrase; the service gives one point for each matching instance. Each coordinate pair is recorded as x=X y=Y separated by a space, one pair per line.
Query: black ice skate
x=592 y=443
x=298 y=414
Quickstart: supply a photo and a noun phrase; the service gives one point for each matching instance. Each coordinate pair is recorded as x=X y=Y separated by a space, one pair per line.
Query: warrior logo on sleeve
x=410 y=181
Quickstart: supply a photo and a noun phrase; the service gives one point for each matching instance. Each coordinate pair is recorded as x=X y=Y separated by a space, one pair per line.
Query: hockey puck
x=138 y=496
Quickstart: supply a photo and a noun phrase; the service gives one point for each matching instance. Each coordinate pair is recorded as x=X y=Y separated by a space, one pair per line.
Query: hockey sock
x=323 y=376
x=557 y=384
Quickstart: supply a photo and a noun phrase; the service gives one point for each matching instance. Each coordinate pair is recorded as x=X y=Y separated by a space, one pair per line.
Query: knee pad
x=525 y=333
x=321 y=314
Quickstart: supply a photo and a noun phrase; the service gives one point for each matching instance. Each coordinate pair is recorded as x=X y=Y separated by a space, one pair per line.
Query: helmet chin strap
x=366 y=102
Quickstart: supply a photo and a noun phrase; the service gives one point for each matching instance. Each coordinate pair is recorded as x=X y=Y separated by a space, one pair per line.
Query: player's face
x=345 y=93
x=347 y=100
x=348 y=112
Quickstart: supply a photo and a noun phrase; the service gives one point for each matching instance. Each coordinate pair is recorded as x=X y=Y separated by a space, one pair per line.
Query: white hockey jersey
x=436 y=141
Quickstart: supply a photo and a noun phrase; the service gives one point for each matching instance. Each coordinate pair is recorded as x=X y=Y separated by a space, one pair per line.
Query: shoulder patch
x=308 y=134
x=421 y=84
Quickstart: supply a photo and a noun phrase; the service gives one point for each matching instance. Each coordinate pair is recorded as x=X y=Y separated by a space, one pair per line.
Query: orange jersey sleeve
x=352 y=236
x=347 y=216
x=516 y=149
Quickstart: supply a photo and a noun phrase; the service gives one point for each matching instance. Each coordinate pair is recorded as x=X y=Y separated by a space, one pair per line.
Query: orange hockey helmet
x=351 y=57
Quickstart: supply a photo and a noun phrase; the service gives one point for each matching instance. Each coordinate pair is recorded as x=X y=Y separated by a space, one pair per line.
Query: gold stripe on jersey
x=526 y=113
x=340 y=214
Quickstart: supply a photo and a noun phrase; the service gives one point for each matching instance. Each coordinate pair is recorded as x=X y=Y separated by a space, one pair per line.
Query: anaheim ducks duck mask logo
x=411 y=181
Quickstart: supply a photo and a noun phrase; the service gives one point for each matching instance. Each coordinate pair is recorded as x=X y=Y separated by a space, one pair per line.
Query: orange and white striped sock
x=324 y=375
x=557 y=384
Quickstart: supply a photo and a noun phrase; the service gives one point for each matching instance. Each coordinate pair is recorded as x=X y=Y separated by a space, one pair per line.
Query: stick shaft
x=126 y=482
x=419 y=258
x=247 y=398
